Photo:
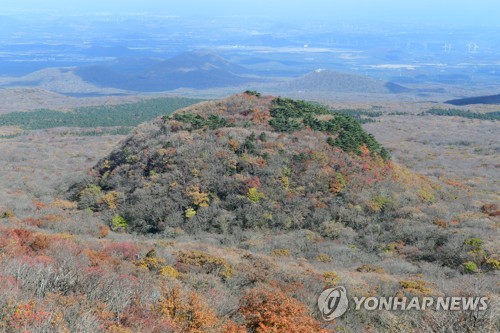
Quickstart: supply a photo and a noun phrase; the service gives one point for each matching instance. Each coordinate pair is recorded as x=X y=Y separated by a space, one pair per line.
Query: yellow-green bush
x=169 y=272
x=493 y=264
x=118 y=223
x=418 y=287
x=254 y=195
x=6 y=214
x=154 y=264
x=189 y=212
x=470 y=267
x=280 y=253
x=370 y=269
x=323 y=258
x=208 y=262
x=331 y=278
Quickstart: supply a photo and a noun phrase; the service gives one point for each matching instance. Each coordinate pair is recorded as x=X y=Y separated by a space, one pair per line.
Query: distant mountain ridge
x=197 y=70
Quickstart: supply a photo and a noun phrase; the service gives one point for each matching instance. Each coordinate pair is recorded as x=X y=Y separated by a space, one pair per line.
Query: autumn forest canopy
x=248 y=161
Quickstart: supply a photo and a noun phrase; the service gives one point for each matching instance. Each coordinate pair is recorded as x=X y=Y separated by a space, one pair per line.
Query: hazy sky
x=465 y=11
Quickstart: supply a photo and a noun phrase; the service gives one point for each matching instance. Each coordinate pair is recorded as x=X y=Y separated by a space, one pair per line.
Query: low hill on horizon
x=60 y=80
x=491 y=99
x=327 y=80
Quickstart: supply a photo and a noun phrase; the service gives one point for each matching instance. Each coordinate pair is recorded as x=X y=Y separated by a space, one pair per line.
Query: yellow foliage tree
x=189 y=212
x=199 y=198
x=254 y=195
x=111 y=199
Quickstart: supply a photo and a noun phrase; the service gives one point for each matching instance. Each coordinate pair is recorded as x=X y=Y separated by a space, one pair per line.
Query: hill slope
x=59 y=80
x=262 y=163
x=246 y=162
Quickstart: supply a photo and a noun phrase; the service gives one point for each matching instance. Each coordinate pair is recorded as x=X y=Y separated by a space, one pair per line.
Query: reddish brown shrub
x=103 y=231
x=64 y=204
x=253 y=182
x=232 y=327
x=39 y=205
x=490 y=209
x=122 y=250
x=32 y=222
x=40 y=242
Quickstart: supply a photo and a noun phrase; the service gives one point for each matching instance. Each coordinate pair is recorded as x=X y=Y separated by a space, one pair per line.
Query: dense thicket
x=290 y=115
x=464 y=114
x=131 y=114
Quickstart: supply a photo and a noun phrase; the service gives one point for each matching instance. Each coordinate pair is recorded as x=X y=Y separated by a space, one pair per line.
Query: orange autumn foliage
x=232 y=327
x=189 y=312
x=272 y=311
x=29 y=315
